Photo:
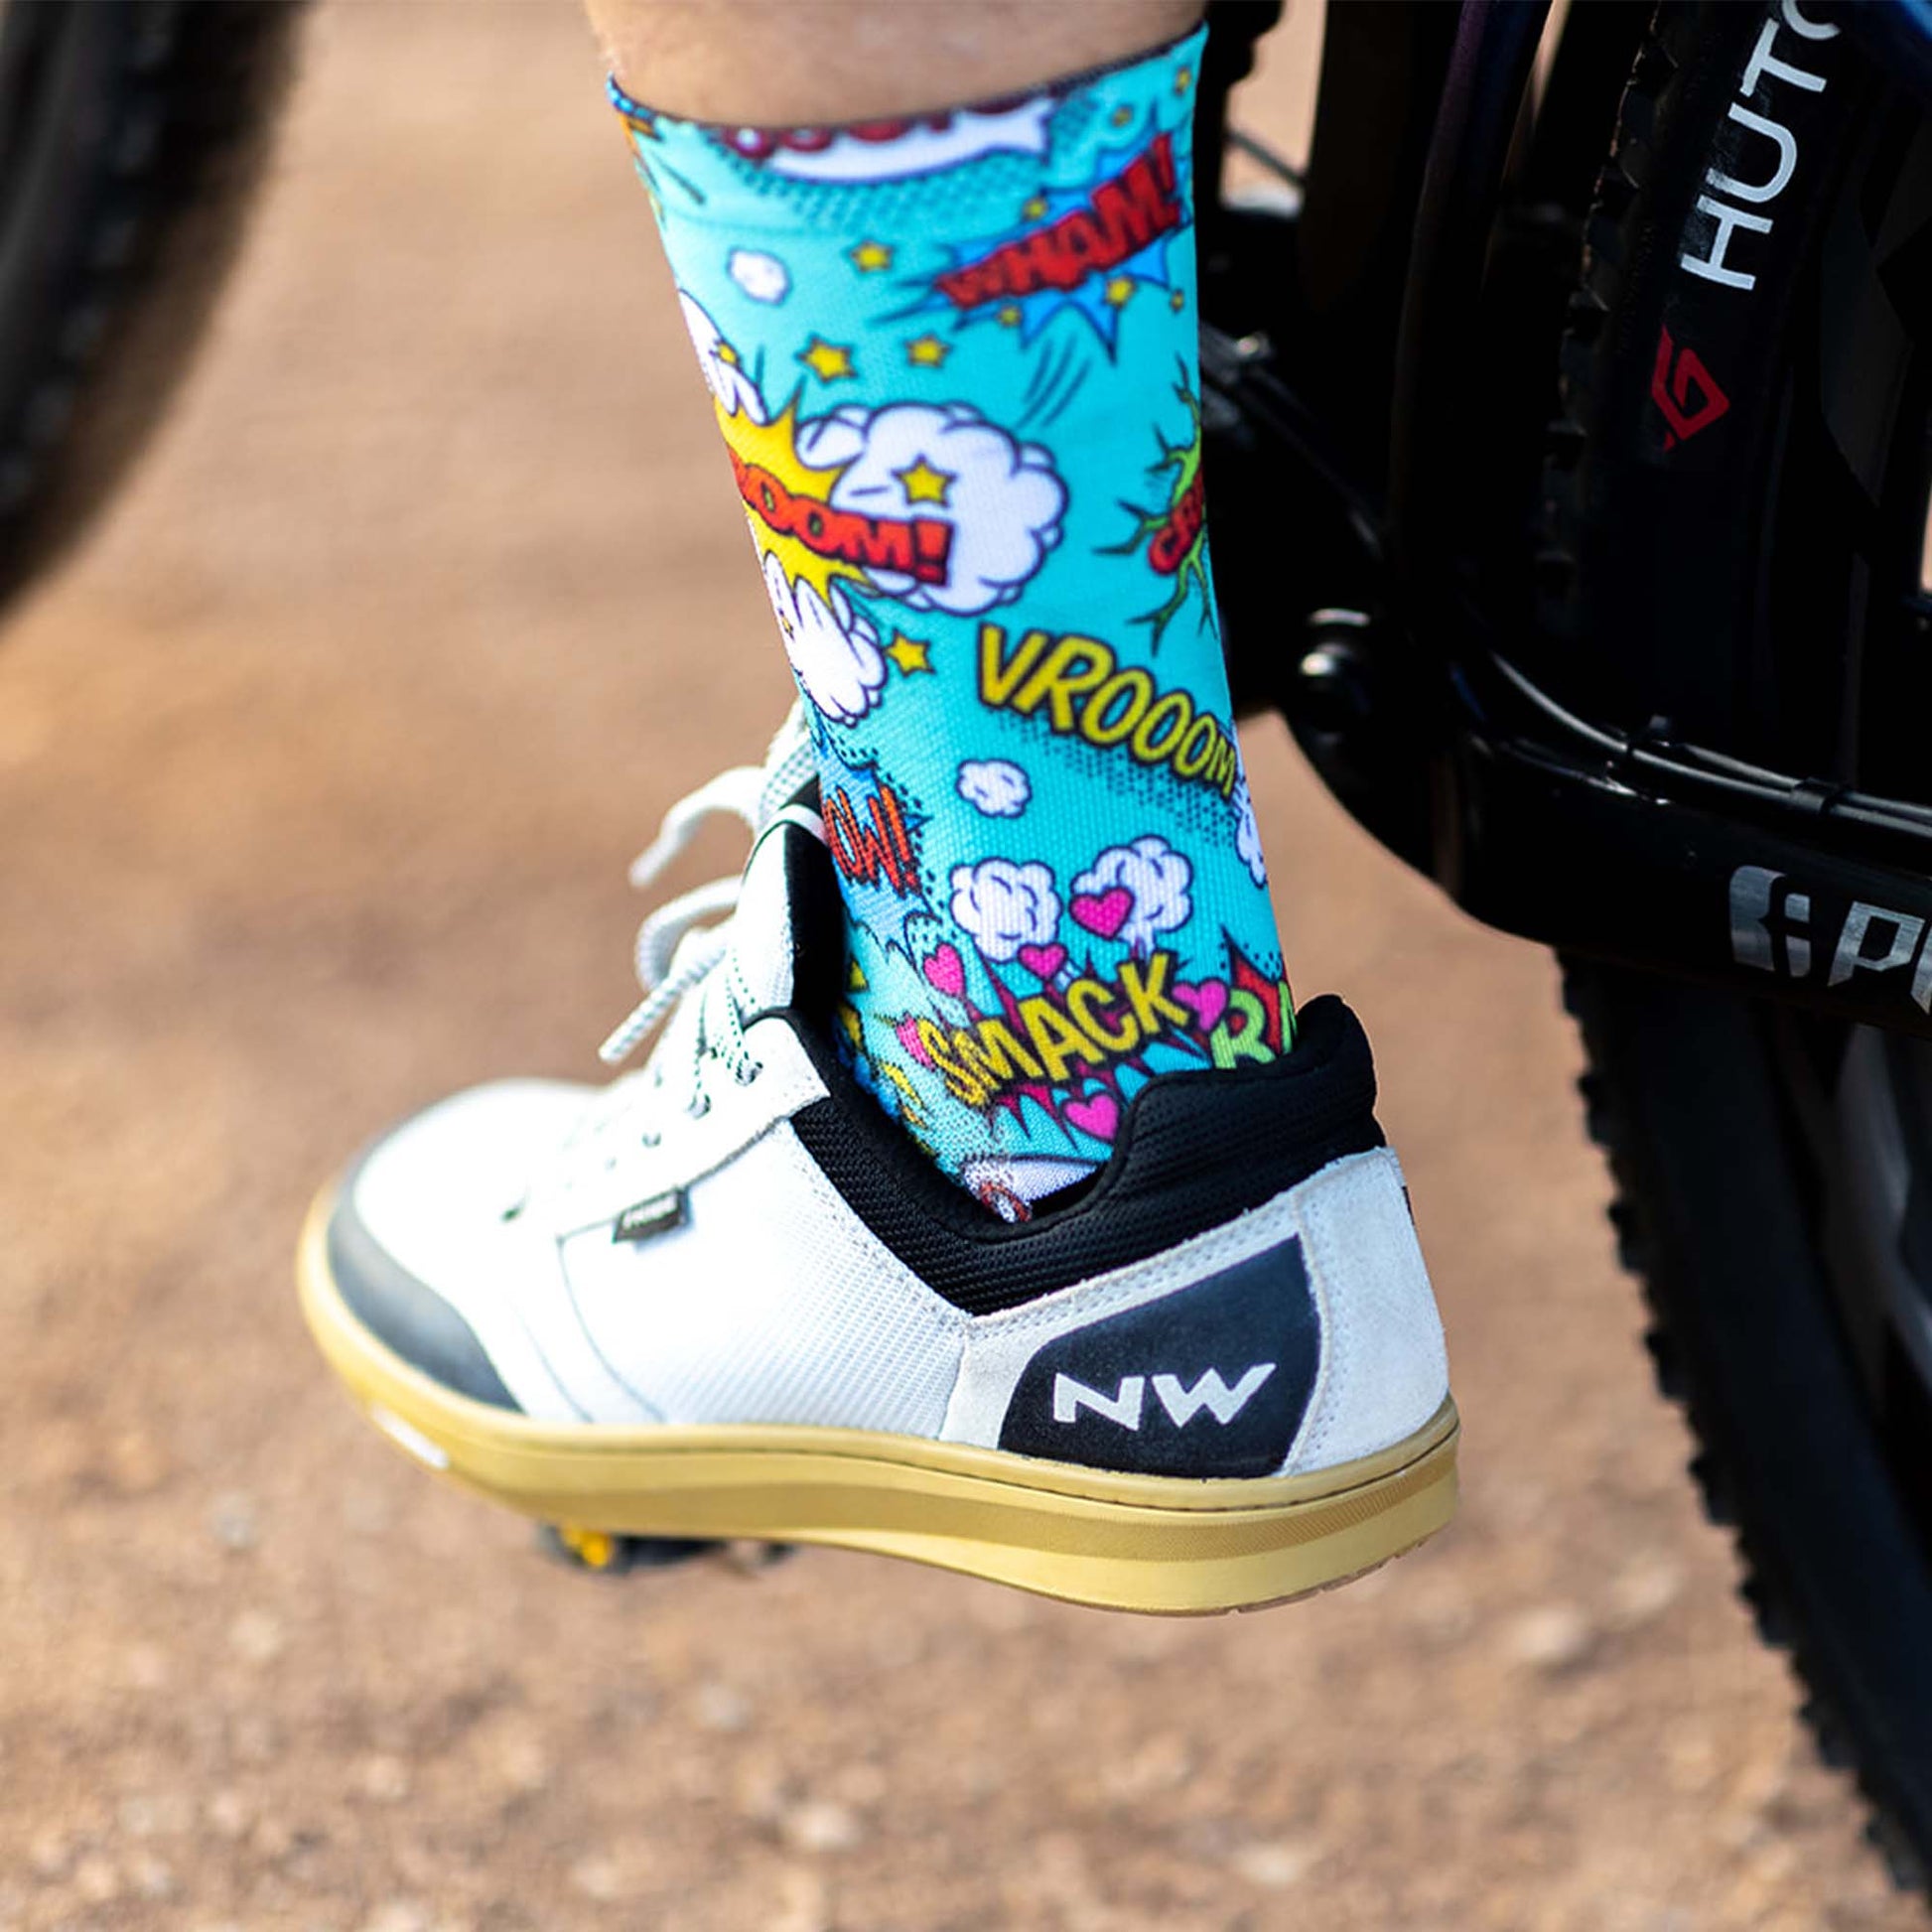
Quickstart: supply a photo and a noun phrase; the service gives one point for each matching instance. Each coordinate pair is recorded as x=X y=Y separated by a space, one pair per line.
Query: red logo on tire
x=1685 y=391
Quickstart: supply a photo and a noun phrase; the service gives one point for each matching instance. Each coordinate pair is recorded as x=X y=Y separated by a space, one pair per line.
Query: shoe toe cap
x=418 y=1238
x=407 y=1315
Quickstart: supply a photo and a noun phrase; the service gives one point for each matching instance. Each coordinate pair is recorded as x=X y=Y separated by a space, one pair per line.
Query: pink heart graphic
x=1045 y=961
x=1209 y=1001
x=1098 y=1115
x=909 y=1038
x=1105 y=914
x=945 y=970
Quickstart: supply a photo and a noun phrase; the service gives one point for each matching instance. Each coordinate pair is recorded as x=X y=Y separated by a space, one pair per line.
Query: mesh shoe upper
x=736 y=1234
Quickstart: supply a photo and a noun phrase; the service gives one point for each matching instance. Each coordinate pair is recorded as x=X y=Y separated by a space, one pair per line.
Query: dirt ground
x=319 y=772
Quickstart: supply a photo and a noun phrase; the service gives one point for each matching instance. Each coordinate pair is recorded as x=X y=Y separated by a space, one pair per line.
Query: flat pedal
x=611 y=1553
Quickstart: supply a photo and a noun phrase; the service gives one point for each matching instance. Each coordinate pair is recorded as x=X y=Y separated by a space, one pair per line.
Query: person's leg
x=804 y=63
x=1003 y=878
x=953 y=355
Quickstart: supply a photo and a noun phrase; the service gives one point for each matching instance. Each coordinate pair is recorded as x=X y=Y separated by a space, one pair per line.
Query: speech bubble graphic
x=997 y=787
x=834 y=651
x=732 y=390
x=895 y=150
x=763 y=277
x=1154 y=875
x=1002 y=499
x=932 y=508
x=1005 y=904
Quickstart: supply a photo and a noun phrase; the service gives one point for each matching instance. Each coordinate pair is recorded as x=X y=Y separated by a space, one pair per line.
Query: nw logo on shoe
x=1181 y=1402
x=1236 y=1350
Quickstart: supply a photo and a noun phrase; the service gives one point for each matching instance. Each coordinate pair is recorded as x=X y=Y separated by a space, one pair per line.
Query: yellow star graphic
x=854 y=979
x=1009 y=315
x=927 y=351
x=909 y=654
x=1119 y=291
x=1031 y=211
x=923 y=484
x=829 y=362
x=1178 y=301
x=1122 y=115
x=869 y=257
x=1184 y=79
x=849 y=1019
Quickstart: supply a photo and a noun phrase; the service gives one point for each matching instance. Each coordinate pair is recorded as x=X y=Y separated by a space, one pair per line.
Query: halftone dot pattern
x=982 y=194
x=727 y=188
x=960 y=388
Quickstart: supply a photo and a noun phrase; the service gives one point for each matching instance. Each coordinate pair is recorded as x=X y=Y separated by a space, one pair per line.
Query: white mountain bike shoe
x=726 y=1298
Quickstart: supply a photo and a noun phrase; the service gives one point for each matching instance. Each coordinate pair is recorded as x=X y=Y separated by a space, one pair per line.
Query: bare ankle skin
x=807 y=61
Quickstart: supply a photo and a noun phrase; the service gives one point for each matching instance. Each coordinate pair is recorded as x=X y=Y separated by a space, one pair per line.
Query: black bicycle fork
x=1406 y=688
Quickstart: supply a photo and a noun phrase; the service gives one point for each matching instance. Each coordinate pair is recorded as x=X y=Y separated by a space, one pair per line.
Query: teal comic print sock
x=953 y=359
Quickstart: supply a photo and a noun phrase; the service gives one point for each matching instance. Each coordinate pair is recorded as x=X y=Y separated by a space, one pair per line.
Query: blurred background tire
x=1774 y=1169
x=132 y=136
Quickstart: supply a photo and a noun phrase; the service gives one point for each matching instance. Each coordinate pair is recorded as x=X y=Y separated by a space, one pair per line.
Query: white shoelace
x=674 y=953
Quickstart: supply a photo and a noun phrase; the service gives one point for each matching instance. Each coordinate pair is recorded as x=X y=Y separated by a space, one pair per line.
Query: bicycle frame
x=1405 y=696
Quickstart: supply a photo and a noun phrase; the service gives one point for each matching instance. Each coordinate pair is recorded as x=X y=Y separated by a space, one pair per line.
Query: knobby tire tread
x=1593 y=992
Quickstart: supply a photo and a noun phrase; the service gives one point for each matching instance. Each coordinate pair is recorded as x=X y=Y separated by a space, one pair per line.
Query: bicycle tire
x=133 y=135
x=1727 y=1120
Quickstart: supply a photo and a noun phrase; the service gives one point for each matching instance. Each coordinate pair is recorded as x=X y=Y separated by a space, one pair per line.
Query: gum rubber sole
x=1155 y=1544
